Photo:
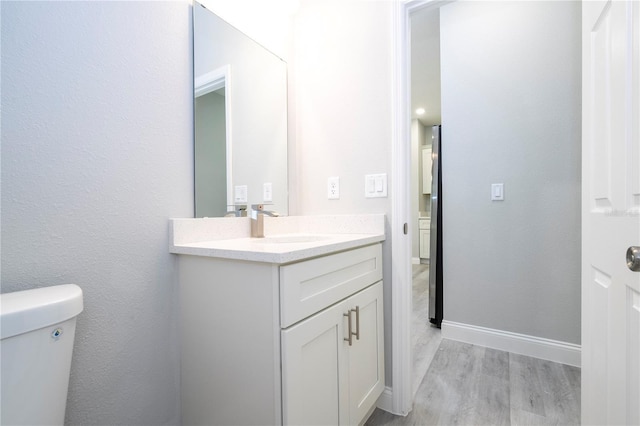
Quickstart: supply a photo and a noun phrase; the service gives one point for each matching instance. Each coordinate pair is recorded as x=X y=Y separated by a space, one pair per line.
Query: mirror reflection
x=240 y=91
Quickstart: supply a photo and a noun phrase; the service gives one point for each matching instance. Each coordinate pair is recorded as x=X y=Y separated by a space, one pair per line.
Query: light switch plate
x=333 y=188
x=375 y=186
x=497 y=192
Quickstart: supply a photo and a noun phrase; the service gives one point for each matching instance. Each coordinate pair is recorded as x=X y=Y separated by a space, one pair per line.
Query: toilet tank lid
x=28 y=310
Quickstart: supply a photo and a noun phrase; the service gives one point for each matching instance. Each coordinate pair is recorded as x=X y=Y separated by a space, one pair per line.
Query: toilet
x=37 y=329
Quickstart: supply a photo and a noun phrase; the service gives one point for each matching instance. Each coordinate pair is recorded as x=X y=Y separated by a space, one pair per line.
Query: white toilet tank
x=37 y=328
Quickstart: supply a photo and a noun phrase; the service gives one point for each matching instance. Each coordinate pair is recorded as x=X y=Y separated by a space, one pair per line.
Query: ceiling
x=425 y=65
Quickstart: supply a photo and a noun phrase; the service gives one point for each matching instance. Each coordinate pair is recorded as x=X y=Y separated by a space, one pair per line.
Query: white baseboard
x=385 y=401
x=415 y=260
x=537 y=347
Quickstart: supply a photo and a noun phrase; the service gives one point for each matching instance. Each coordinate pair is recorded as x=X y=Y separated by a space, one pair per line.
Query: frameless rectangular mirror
x=240 y=91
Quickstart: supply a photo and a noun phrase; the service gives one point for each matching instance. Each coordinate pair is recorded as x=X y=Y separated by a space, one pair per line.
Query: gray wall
x=96 y=157
x=511 y=113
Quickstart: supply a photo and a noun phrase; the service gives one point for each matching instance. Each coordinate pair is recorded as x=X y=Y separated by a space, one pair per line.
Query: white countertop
x=308 y=236
x=271 y=251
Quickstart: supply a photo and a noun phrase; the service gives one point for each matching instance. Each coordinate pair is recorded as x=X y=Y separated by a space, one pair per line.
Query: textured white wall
x=343 y=126
x=96 y=156
x=342 y=70
x=511 y=113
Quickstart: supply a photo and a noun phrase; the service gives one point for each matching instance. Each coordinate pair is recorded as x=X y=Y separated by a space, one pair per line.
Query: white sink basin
x=290 y=239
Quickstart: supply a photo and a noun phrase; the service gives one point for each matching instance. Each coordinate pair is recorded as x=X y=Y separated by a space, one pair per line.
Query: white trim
x=207 y=83
x=416 y=5
x=537 y=347
x=401 y=396
x=385 y=401
x=415 y=260
x=211 y=81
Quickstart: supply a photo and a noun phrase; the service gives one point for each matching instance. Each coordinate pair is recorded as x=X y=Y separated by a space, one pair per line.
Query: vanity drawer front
x=310 y=286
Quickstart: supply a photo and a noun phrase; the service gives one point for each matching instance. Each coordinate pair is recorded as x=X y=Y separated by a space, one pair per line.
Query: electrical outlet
x=333 y=188
x=267 y=192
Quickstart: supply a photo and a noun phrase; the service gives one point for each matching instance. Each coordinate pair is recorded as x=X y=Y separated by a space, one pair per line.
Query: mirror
x=240 y=91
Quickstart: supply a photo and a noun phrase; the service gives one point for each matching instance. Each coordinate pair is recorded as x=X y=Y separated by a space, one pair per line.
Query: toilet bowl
x=37 y=329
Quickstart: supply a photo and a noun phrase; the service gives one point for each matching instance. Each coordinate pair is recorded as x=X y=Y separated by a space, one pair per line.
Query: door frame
x=216 y=79
x=399 y=400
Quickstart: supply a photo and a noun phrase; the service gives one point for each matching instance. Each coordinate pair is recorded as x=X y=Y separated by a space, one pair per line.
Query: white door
x=611 y=212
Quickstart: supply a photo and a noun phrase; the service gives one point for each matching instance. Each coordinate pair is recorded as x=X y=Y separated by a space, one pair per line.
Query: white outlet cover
x=267 y=192
x=333 y=188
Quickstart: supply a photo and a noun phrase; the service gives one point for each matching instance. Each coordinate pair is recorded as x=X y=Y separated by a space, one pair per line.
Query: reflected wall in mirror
x=240 y=91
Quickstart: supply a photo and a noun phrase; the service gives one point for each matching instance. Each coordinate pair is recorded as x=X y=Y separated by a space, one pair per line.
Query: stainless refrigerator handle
x=633 y=258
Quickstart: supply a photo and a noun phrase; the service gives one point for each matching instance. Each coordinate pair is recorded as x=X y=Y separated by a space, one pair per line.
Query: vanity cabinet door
x=425 y=244
x=424 y=225
x=313 y=381
x=324 y=379
x=366 y=355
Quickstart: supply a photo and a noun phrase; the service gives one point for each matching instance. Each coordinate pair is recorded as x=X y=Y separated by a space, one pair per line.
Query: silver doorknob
x=633 y=258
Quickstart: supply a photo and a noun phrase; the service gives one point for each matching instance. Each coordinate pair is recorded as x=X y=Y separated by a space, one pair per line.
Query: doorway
x=401 y=398
x=426 y=118
x=489 y=142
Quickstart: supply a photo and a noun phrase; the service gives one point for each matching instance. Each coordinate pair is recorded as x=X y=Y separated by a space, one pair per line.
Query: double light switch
x=375 y=185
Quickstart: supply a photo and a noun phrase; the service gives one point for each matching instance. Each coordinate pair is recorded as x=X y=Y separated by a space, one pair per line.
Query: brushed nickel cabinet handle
x=633 y=258
x=357 y=311
x=350 y=338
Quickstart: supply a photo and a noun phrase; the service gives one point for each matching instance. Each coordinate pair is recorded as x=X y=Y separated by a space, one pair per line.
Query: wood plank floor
x=425 y=338
x=472 y=385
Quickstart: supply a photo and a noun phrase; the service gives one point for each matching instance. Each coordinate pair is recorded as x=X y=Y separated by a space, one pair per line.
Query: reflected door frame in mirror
x=212 y=81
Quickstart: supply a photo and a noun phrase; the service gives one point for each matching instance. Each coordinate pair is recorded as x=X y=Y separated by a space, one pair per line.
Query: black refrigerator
x=435 y=257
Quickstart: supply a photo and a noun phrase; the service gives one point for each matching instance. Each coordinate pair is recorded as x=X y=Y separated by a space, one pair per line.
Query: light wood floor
x=425 y=338
x=472 y=385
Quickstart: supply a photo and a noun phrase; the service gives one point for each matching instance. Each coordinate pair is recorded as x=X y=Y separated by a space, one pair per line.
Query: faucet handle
x=257 y=209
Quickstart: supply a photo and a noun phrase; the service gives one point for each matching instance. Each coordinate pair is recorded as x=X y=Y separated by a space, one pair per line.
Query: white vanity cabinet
x=424 y=227
x=325 y=379
x=264 y=343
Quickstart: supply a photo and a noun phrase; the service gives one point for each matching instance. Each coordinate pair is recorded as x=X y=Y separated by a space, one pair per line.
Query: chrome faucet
x=239 y=210
x=257 y=219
